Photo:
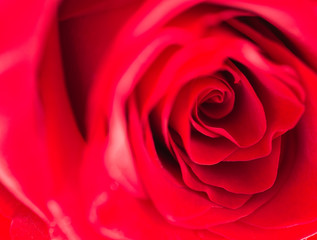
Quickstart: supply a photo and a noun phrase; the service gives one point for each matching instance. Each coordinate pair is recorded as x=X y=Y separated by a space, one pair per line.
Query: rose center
x=216 y=102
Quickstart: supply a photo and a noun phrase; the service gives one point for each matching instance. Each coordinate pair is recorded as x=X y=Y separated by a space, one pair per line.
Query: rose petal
x=144 y=221
x=255 y=202
x=65 y=144
x=23 y=152
x=5 y=227
x=215 y=194
x=26 y=225
x=190 y=63
x=207 y=151
x=298 y=189
x=282 y=105
x=72 y=9
x=241 y=231
x=180 y=122
x=200 y=213
x=242 y=177
x=88 y=29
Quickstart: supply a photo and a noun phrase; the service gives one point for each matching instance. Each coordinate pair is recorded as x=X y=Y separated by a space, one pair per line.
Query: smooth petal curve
x=242 y=177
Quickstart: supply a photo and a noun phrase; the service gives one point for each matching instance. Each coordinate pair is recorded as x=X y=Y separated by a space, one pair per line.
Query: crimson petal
x=242 y=177
x=215 y=194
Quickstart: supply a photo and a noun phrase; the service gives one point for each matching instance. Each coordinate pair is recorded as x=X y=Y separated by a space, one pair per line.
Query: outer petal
x=87 y=30
x=22 y=149
x=241 y=231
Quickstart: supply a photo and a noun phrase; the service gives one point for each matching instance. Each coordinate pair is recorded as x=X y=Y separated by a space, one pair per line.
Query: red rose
x=158 y=120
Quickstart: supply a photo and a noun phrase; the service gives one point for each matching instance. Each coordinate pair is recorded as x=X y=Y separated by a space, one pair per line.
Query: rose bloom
x=149 y=119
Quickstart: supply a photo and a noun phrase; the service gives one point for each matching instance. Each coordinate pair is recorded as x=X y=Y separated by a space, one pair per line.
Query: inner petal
x=215 y=103
x=208 y=90
x=242 y=177
x=246 y=123
x=215 y=194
